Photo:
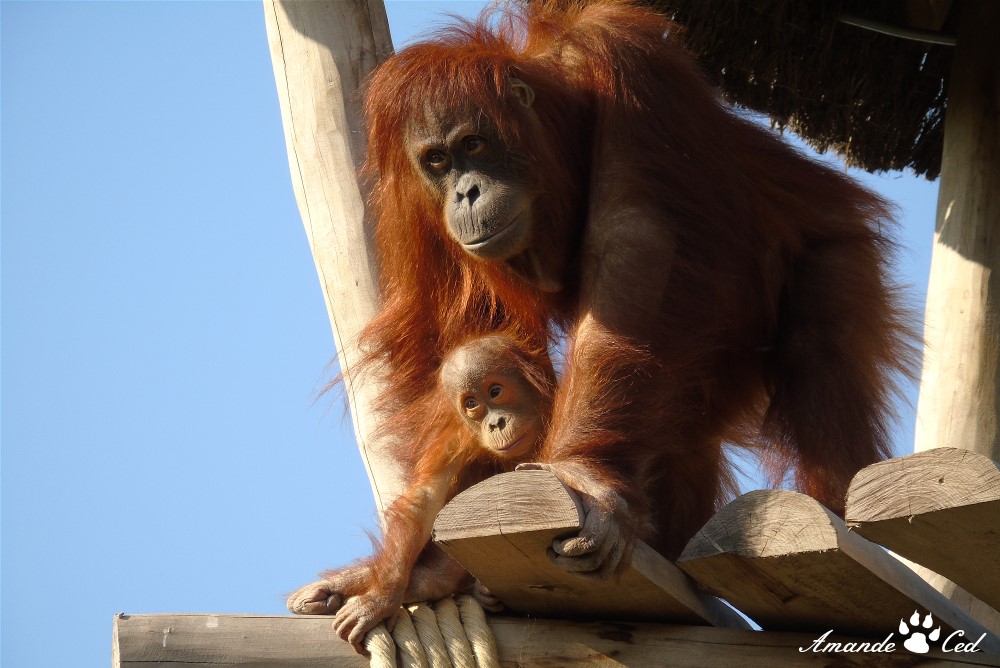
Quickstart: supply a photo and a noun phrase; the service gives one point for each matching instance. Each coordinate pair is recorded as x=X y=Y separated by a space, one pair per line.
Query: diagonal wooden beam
x=321 y=53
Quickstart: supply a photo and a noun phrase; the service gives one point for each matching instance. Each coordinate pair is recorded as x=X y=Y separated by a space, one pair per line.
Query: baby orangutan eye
x=470 y=404
x=495 y=391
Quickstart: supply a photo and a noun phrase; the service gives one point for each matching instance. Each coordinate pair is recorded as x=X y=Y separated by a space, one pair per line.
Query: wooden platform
x=787 y=563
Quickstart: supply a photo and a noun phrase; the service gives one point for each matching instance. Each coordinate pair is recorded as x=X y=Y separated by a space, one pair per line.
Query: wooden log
x=321 y=52
x=959 y=401
x=939 y=508
x=791 y=564
x=960 y=385
x=500 y=529
x=230 y=641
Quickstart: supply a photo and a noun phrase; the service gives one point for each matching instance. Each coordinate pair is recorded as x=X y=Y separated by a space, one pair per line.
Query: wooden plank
x=321 y=53
x=791 y=564
x=959 y=402
x=939 y=508
x=499 y=531
x=230 y=641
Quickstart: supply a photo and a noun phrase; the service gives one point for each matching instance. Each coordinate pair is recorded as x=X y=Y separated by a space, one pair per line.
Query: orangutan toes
x=317 y=598
x=486 y=598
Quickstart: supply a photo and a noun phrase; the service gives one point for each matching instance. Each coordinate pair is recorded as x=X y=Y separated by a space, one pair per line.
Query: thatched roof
x=876 y=99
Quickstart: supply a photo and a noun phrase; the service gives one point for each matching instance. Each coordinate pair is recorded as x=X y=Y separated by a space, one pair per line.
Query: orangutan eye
x=495 y=391
x=436 y=159
x=474 y=145
x=470 y=404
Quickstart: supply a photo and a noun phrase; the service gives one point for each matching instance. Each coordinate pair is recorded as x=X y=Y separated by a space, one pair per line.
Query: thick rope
x=379 y=644
x=480 y=635
x=425 y=621
x=411 y=652
x=458 y=645
x=452 y=634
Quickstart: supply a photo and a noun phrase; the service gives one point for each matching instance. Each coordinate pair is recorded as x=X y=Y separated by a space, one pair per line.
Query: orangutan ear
x=522 y=92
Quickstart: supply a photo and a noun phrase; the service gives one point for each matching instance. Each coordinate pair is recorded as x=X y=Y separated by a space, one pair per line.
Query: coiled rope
x=451 y=634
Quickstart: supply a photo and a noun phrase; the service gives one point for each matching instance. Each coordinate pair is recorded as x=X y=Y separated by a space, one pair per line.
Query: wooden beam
x=939 y=508
x=321 y=53
x=232 y=641
x=959 y=401
x=500 y=529
x=791 y=564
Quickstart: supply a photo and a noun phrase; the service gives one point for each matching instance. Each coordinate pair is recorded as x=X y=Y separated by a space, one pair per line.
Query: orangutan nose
x=469 y=192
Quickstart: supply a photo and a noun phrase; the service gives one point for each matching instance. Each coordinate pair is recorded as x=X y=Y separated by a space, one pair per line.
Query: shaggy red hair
x=780 y=325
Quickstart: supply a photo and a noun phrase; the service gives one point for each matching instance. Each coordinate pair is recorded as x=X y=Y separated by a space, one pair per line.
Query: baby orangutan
x=490 y=413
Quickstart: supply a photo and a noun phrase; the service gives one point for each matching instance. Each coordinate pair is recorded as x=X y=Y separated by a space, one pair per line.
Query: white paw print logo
x=917 y=643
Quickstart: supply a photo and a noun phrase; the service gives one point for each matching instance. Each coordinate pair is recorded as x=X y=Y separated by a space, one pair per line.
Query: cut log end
x=765 y=523
x=924 y=482
x=939 y=508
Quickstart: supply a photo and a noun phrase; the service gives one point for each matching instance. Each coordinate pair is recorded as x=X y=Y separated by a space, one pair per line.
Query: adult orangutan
x=489 y=412
x=566 y=164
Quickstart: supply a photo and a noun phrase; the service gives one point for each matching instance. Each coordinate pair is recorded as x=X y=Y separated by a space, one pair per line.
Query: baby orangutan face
x=486 y=382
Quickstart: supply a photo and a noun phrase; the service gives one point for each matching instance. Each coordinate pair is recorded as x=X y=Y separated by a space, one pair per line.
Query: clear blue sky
x=163 y=331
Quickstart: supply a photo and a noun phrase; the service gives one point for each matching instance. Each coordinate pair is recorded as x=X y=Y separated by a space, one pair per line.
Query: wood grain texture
x=791 y=564
x=231 y=641
x=960 y=383
x=500 y=529
x=321 y=53
x=939 y=508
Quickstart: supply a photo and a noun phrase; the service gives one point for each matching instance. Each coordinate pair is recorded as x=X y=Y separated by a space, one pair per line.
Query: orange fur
x=779 y=326
x=445 y=458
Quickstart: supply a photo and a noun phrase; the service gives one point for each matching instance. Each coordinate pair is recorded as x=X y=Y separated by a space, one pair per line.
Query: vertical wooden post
x=960 y=383
x=959 y=401
x=321 y=52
